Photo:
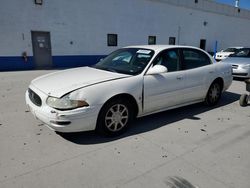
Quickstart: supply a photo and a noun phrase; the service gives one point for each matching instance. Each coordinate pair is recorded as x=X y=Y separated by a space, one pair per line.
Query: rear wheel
x=114 y=117
x=244 y=100
x=213 y=94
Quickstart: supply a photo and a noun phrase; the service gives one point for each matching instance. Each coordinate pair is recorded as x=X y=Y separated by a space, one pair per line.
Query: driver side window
x=169 y=59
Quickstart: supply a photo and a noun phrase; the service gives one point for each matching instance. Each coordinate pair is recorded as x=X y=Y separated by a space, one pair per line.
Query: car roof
x=160 y=47
x=243 y=48
x=240 y=49
x=235 y=47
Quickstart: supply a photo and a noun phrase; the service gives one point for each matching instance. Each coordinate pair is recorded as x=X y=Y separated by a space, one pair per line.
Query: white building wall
x=87 y=24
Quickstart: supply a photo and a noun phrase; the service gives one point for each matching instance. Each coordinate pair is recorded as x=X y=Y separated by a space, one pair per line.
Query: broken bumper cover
x=77 y=120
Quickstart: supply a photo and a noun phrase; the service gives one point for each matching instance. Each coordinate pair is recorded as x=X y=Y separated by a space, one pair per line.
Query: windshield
x=244 y=52
x=230 y=50
x=130 y=61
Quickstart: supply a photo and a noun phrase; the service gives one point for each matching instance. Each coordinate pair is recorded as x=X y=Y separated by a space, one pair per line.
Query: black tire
x=244 y=100
x=114 y=117
x=213 y=94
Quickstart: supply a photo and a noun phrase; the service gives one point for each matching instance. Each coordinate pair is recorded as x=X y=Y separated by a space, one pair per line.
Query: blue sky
x=243 y=3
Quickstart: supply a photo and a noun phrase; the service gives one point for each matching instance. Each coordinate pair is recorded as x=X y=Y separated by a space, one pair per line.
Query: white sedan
x=131 y=82
x=223 y=54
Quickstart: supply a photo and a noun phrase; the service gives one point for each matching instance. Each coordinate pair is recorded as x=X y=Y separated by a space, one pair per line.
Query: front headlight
x=246 y=66
x=65 y=103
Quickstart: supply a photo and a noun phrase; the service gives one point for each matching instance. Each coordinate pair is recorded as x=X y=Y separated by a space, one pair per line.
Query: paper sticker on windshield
x=143 y=51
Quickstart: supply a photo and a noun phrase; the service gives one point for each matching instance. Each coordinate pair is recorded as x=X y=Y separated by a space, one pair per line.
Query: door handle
x=211 y=72
x=179 y=77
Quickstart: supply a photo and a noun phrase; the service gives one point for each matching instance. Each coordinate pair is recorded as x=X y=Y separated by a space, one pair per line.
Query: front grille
x=240 y=74
x=35 y=98
x=235 y=66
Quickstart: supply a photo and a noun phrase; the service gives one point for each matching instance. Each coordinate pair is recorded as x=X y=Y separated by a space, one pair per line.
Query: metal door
x=41 y=49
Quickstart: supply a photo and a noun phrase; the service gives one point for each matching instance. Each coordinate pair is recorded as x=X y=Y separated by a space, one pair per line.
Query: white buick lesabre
x=131 y=82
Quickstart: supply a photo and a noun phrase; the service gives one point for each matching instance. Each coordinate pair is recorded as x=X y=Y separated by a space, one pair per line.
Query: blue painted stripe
x=15 y=63
x=75 y=61
x=12 y=63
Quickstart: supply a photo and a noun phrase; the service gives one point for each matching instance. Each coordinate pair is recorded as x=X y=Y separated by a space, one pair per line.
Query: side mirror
x=157 y=69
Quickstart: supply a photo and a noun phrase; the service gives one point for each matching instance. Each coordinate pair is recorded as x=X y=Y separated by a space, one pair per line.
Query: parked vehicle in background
x=131 y=82
x=223 y=54
x=240 y=62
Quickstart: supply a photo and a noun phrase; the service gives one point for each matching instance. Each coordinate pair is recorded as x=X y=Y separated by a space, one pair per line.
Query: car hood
x=224 y=53
x=60 y=83
x=237 y=60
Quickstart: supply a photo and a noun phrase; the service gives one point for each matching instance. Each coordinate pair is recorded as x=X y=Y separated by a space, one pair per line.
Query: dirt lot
x=189 y=147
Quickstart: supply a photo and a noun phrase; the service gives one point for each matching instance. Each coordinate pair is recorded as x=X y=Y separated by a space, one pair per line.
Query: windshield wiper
x=111 y=70
x=105 y=68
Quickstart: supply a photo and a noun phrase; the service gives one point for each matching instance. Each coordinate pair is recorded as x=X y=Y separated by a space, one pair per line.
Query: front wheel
x=213 y=94
x=114 y=117
x=244 y=100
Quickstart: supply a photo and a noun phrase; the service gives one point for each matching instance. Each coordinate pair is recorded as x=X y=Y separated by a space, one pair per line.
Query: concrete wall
x=87 y=23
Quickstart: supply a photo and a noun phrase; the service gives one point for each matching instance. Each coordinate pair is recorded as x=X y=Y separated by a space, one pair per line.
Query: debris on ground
x=203 y=130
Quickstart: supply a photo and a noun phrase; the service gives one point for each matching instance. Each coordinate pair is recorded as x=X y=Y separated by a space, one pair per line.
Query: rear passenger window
x=193 y=59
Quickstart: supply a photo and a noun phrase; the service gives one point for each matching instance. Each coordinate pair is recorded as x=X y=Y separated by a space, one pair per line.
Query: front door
x=41 y=49
x=164 y=90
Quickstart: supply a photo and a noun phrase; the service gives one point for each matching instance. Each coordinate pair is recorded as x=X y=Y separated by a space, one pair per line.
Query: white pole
x=237 y=3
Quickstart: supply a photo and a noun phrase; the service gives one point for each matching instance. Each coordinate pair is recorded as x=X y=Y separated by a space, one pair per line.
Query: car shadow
x=151 y=122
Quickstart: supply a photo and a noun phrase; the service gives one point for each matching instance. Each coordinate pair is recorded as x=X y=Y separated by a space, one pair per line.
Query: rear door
x=199 y=72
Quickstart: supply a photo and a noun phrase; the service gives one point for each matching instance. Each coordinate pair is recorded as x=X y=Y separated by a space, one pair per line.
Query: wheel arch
x=127 y=97
x=124 y=96
x=220 y=81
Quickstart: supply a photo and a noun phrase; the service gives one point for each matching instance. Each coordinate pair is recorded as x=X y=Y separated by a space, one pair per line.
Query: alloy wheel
x=116 y=117
x=214 y=93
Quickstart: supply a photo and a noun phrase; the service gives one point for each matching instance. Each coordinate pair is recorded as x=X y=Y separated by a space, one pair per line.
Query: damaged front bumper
x=77 y=120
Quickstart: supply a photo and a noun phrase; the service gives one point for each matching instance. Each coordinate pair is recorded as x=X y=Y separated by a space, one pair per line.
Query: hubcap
x=214 y=93
x=116 y=117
